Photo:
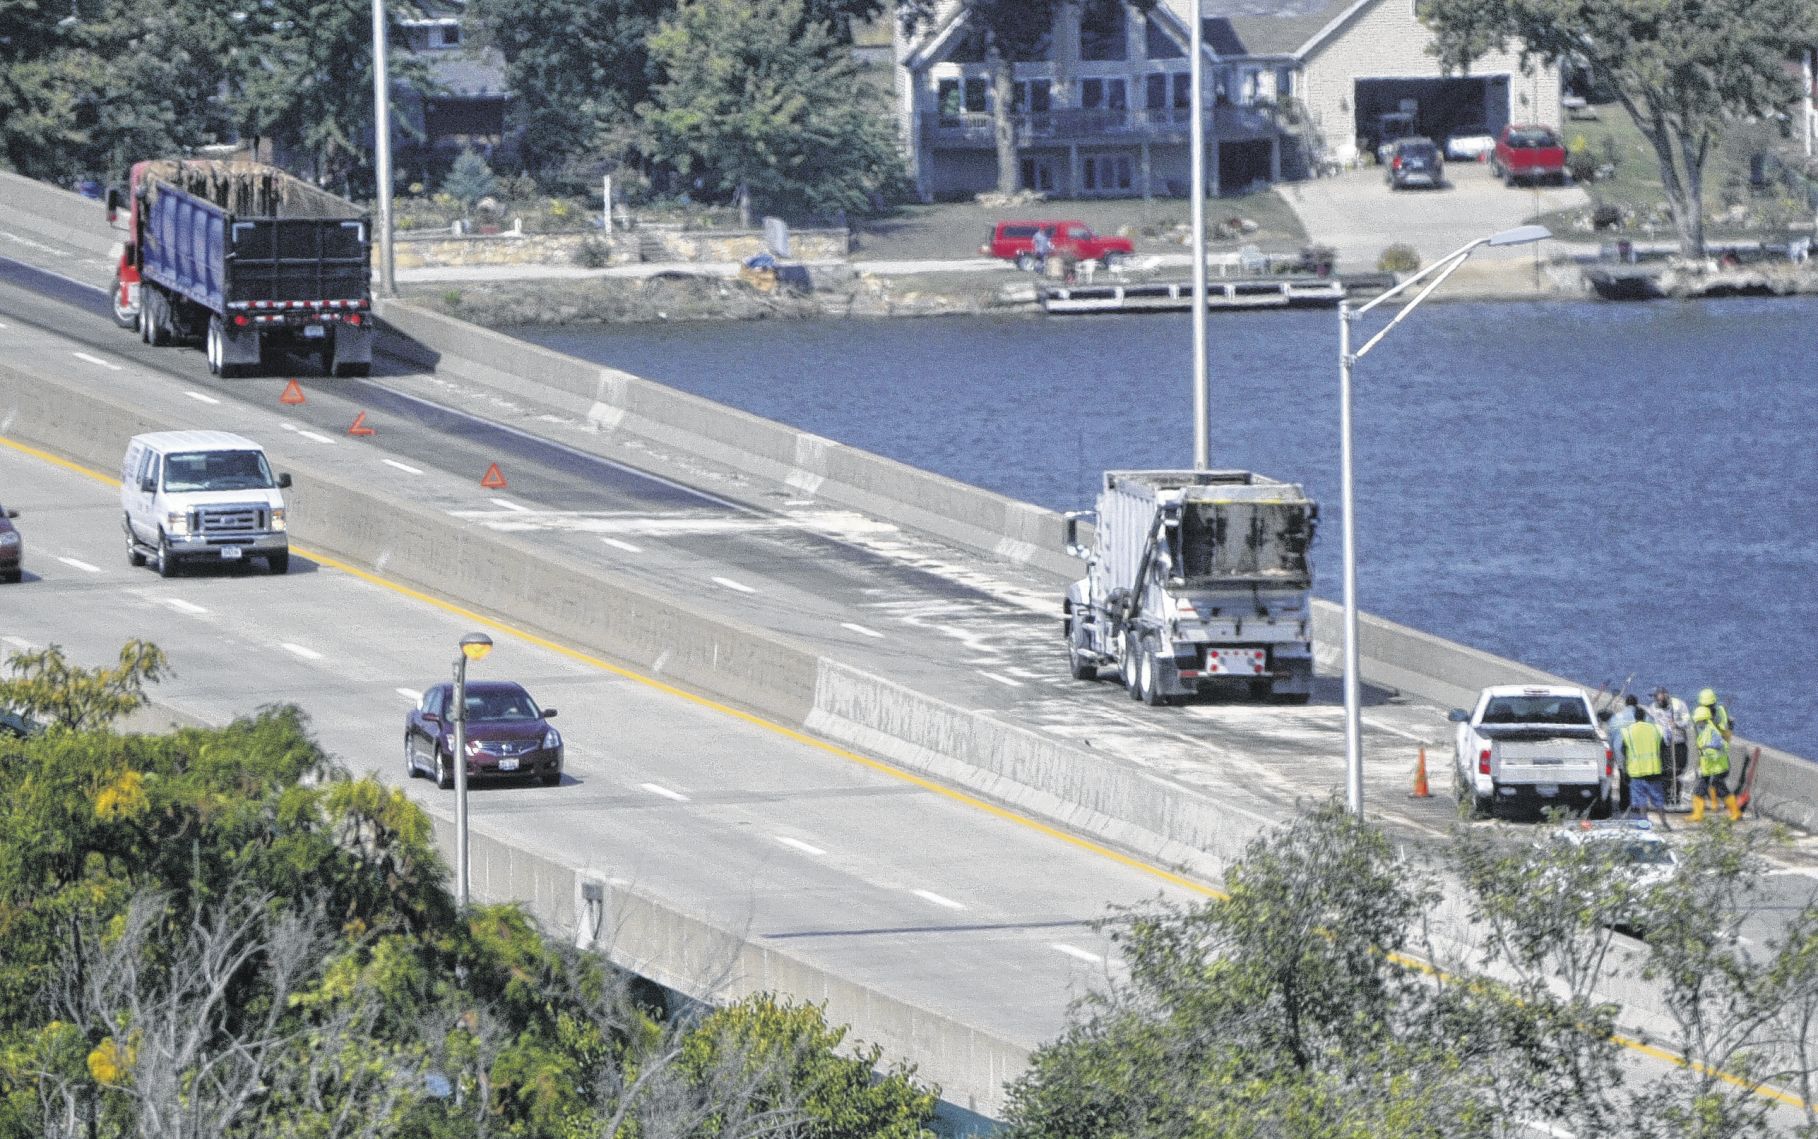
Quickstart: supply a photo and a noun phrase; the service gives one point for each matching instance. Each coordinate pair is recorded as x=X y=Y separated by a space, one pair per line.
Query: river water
x=1600 y=490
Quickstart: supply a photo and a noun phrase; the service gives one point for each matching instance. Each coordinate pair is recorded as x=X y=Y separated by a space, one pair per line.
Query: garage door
x=1440 y=105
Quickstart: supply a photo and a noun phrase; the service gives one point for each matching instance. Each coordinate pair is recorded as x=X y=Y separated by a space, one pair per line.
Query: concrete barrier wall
x=59 y=214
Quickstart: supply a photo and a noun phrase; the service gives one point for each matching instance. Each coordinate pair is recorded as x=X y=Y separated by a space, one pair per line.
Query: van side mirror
x=284 y=481
x=1458 y=715
x=549 y=713
x=148 y=484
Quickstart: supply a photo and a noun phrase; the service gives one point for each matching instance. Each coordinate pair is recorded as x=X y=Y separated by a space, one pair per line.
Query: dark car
x=12 y=548
x=1415 y=162
x=508 y=736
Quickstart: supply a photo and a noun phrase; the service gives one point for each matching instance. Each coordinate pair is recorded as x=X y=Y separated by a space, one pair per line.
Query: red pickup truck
x=1528 y=154
x=1015 y=241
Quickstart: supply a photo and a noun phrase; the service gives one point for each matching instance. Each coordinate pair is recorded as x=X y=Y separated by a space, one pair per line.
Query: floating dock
x=1177 y=296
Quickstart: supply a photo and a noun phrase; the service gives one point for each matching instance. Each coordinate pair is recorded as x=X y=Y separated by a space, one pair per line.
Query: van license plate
x=314 y=332
x=508 y=765
x=1547 y=789
x=229 y=553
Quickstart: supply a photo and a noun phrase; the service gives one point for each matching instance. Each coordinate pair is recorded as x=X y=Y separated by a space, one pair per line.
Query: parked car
x=1015 y=241
x=1469 y=143
x=1532 y=746
x=1386 y=129
x=1415 y=162
x=12 y=548
x=508 y=736
x=1528 y=154
x=1634 y=853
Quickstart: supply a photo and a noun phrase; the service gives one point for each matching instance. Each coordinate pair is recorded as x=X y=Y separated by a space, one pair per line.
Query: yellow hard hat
x=1707 y=697
x=1701 y=714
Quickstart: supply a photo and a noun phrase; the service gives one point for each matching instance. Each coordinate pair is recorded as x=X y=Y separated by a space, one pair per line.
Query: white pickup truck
x=1532 y=747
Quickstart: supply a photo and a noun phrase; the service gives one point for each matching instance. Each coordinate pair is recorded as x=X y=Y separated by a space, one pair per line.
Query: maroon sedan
x=12 y=548
x=508 y=736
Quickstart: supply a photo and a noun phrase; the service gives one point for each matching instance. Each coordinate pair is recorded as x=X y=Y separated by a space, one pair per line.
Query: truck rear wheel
x=1126 y=671
x=1078 y=666
x=1148 y=679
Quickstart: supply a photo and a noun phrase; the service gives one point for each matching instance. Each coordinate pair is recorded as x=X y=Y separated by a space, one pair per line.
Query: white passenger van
x=202 y=496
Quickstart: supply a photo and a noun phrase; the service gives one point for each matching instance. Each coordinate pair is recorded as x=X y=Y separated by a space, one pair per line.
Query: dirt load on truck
x=1196 y=582
x=245 y=258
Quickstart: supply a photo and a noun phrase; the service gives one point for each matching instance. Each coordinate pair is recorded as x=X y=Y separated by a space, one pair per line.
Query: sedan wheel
x=410 y=760
x=444 y=772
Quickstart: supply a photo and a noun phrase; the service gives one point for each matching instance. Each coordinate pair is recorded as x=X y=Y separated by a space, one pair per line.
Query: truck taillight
x=353 y=318
x=1396 y=165
x=240 y=320
x=1483 y=762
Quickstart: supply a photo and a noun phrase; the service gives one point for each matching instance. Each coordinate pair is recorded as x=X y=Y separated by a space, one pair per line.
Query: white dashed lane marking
x=860 y=629
x=200 y=398
x=659 y=789
x=405 y=467
x=737 y=586
x=96 y=360
x=931 y=896
x=316 y=436
x=83 y=566
x=1075 y=951
x=507 y=504
x=798 y=844
x=626 y=546
x=1003 y=680
x=181 y=605
x=299 y=650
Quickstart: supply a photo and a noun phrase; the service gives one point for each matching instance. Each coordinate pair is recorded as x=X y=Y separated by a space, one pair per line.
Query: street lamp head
x=1520 y=235
x=475 y=646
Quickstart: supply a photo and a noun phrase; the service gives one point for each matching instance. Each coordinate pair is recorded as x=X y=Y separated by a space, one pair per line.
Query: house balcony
x=1100 y=125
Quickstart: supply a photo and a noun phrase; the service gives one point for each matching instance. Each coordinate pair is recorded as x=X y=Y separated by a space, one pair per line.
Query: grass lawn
x=1634 y=185
x=957 y=229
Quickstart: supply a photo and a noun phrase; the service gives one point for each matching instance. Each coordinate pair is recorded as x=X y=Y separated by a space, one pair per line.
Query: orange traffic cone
x=1420 y=778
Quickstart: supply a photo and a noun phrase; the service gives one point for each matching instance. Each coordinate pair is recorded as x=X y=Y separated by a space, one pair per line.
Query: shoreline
x=851 y=293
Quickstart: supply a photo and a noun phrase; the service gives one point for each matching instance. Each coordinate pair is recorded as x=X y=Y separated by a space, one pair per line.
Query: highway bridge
x=821 y=735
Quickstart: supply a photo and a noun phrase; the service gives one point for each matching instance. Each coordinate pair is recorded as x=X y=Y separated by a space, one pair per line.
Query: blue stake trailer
x=246 y=258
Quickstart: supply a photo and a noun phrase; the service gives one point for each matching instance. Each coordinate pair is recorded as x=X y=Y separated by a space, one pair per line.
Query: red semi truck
x=246 y=258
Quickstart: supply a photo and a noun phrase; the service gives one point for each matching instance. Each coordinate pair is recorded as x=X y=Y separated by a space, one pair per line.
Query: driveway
x=1359 y=215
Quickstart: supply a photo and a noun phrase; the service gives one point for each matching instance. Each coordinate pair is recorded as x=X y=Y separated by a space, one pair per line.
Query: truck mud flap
x=351 y=352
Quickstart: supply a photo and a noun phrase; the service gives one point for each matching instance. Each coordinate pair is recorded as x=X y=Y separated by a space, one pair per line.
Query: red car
x=507 y=735
x=1015 y=241
x=12 y=548
x=1528 y=154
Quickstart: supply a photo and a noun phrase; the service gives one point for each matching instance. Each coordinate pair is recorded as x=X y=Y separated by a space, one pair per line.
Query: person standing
x=1618 y=722
x=1674 y=720
x=1720 y=715
x=1713 y=766
x=1041 y=245
x=1640 y=747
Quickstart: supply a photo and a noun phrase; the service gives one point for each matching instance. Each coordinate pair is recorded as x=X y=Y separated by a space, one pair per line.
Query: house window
x=1159 y=44
x=1183 y=91
x=1247 y=90
x=976 y=102
x=961 y=96
x=1104 y=173
x=1037 y=174
x=1034 y=95
x=451 y=35
x=1101 y=31
x=1155 y=92
x=1284 y=82
x=1103 y=94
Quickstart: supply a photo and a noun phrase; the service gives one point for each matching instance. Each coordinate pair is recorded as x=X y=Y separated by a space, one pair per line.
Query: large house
x=1290 y=86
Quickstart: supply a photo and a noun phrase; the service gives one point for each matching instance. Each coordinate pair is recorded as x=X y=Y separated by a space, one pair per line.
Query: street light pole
x=1196 y=120
x=1347 y=360
x=381 y=114
x=474 y=646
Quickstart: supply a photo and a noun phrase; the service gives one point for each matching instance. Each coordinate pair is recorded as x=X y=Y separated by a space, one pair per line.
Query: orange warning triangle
x=292 y=394
x=359 y=426
x=495 y=479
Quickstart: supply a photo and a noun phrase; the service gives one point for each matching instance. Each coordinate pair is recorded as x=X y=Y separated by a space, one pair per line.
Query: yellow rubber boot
x=1698 y=808
x=1734 y=808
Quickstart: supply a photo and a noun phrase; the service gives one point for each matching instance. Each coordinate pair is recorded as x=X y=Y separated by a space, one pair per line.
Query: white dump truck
x=1195 y=581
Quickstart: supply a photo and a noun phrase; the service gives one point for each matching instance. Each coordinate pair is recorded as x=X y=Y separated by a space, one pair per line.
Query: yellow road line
x=876 y=765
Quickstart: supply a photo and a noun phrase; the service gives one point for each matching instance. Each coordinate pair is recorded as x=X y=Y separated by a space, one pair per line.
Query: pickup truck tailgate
x=1556 y=760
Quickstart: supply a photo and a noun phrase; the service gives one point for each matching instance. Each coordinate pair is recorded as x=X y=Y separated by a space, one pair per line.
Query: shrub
x=1583 y=163
x=1399 y=258
x=592 y=254
x=1606 y=215
x=1318 y=259
x=470 y=180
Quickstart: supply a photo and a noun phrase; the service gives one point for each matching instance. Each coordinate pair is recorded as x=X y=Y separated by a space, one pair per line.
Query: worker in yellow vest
x=1720 y=715
x=1639 y=743
x=1713 y=765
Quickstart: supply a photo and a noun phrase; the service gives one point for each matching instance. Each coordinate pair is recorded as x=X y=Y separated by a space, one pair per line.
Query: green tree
x=470 y=180
x=1683 y=70
x=768 y=105
x=47 y=687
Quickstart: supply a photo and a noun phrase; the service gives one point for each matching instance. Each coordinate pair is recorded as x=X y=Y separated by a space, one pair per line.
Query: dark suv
x=507 y=735
x=12 y=548
x=1415 y=162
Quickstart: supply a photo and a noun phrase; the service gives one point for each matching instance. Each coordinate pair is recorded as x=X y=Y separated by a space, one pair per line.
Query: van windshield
x=217 y=470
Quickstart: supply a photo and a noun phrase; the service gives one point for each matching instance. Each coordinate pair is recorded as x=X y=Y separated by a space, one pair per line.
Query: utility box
x=1196 y=581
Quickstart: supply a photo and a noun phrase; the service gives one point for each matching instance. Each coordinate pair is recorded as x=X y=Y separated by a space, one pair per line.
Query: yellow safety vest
x=1641 y=749
x=1713 y=753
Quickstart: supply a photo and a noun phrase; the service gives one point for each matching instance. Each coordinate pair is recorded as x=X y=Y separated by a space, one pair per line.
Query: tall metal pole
x=459 y=715
x=1805 y=104
x=381 y=133
x=1353 y=696
x=1202 y=411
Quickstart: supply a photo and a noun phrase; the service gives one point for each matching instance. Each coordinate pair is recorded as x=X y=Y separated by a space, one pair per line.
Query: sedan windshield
x=217 y=470
x=497 y=706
